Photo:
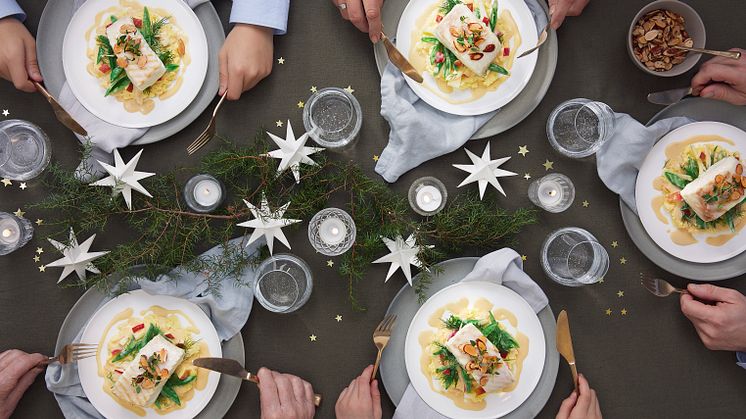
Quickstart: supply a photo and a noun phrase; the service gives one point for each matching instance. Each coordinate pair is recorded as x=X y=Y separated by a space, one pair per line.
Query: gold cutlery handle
x=574 y=371
x=375 y=365
x=254 y=379
x=727 y=54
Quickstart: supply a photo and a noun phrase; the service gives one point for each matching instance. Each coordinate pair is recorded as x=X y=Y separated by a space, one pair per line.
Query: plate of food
x=475 y=350
x=466 y=51
x=690 y=192
x=132 y=64
x=143 y=367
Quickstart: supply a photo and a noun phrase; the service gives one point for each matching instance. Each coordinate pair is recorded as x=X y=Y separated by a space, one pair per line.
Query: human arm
x=723 y=79
x=17 y=371
x=18 y=50
x=361 y=399
x=581 y=404
x=718 y=315
x=560 y=9
x=364 y=14
x=284 y=396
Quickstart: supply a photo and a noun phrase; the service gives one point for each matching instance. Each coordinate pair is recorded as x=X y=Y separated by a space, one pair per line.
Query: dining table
x=639 y=352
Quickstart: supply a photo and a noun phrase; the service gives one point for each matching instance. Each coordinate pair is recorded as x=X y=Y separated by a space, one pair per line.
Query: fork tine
x=382 y=324
x=82 y=345
x=78 y=357
x=200 y=142
x=389 y=322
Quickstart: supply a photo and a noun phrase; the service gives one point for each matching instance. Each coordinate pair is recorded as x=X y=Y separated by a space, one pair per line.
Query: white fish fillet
x=454 y=20
x=693 y=193
x=500 y=378
x=141 y=78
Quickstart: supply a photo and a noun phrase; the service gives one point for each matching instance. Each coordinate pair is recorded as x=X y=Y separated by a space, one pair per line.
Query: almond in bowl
x=655 y=37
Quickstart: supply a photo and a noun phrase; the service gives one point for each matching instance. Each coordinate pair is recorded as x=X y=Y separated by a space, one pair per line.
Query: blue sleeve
x=268 y=13
x=741 y=357
x=11 y=8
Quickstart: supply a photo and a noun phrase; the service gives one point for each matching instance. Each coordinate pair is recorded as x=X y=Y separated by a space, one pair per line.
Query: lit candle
x=15 y=232
x=207 y=192
x=554 y=192
x=550 y=193
x=332 y=230
x=428 y=198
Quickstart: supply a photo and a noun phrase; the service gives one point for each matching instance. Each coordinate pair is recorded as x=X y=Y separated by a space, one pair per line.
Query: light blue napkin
x=420 y=132
x=504 y=267
x=228 y=314
x=619 y=160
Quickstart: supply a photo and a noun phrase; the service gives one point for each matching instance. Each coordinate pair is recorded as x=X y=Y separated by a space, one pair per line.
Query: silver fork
x=542 y=38
x=660 y=287
x=73 y=352
x=209 y=132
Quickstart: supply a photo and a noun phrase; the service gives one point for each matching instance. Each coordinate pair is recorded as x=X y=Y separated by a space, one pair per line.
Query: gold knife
x=564 y=344
x=399 y=61
x=61 y=113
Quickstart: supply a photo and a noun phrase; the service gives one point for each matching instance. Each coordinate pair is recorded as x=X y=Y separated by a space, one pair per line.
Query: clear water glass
x=554 y=192
x=333 y=117
x=573 y=257
x=579 y=127
x=24 y=150
x=15 y=232
x=283 y=283
x=332 y=232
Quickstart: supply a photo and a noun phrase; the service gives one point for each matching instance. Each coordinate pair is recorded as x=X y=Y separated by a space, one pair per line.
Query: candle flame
x=7 y=232
x=335 y=230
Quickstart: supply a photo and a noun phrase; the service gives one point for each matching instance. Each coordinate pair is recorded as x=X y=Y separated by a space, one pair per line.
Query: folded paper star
x=76 y=257
x=403 y=255
x=123 y=178
x=292 y=152
x=484 y=170
x=267 y=223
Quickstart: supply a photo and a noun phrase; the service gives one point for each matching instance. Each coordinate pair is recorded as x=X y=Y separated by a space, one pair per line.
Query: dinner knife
x=234 y=368
x=564 y=344
x=399 y=61
x=65 y=118
x=669 y=97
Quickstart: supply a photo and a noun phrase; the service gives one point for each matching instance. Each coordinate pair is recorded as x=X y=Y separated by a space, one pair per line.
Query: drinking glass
x=554 y=192
x=283 y=283
x=24 y=150
x=332 y=117
x=579 y=127
x=573 y=257
x=15 y=232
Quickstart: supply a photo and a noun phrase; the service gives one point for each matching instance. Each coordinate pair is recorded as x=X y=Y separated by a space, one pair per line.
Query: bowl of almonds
x=656 y=33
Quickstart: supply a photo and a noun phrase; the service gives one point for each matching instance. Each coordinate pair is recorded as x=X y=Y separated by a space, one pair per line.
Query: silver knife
x=669 y=97
x=235 y=369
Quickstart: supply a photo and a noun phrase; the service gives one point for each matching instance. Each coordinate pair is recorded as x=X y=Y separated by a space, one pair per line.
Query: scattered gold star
x=6 y=182
x=301 y=104
x=375 y=157
x=5 y=112
x=586 y=204
x=280 y=60
x=615 y=244
x=278 y=123
x=39 y=221
x=524 y=257
x=330 y=263
x=23 y=186
x=548 y=165
x=349 y=90
x=19 y=213
x=620 y=293
x=42 y=268
x=527 y=176
x=523 y=150
x=608 y=312
x=314 y=89
x=312 y=338
x=624 y=312
x=39 y=250
x=601 y=281
x=338 y=318
x=623 y=260
x=37 y=258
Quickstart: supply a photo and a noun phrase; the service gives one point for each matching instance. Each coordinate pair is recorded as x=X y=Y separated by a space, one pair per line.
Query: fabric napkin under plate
x=228 y=314
x=504 y=267
x=104 y=136
x=420 y=132
x=619 y=160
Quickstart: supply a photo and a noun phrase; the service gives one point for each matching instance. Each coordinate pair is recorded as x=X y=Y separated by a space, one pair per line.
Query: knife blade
x=669 y=97
x=399 y=61
x=62 y=115
x=564 y=344
x=234 y=368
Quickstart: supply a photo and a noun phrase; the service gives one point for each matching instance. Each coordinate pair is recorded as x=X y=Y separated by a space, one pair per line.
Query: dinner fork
x=542 y=38
x=62 y=115
x=73 y=352
x=381 y=337
x=660 y=287
x=209 y=132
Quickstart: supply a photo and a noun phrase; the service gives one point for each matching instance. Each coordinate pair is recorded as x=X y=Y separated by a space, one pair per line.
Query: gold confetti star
x=338 y=318
x=314 y=89
x=586 y=204
x=601 y=281
x=301 y=104
x=23 y=186
x=624 y=312
x=608 y=312
x=523 y=150
x=278 y=123
x=312 y=338
x=349 y=90
x=620 y=293
x=623 y=260
x=524 y=257
x=375 y=157
x=6 y=182
x=527 y=176
x=37 y=258
x=39 y=221
x=39 y=250
x=42 y=268
x=330 y=263
x=615 y=244
x=19 y=213
x=548 y=165
x=5 y=112
x=280 y=60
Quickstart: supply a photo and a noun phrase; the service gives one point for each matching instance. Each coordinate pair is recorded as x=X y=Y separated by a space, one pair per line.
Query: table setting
x=480 y=232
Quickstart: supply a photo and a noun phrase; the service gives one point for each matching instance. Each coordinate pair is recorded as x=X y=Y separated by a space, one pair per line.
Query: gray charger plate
x=405 y=306
x=51 y=33
x=228 y=387
x=701 y=110
x=515 y=111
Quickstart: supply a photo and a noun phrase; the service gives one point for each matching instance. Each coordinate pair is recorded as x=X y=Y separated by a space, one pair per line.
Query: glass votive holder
x=204 y=193
x=283 y=283
x=554 y=192
x=579 y=127
x=427 y=196
x=573 y=257
x=15 y=232
x=333 y=117
x=24 y=150
x=332 y=231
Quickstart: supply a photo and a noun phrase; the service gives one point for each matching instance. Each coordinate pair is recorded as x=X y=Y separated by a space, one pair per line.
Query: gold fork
x=659 y=287
x=542 y=38
x=73 y=352
x=381 y=337
x=209 y=132
x=65 y=118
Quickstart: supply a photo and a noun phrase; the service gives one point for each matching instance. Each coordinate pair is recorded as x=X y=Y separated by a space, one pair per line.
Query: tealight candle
x=331 y=231
x=427 y=196
x=554 y=192
x=15 y=232
x=203 y=193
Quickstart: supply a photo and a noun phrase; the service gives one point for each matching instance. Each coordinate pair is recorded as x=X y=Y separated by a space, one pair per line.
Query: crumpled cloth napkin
x=228 y=314
x=504 y=267
x=619 y=160
x=103 y=136
x=420 y=132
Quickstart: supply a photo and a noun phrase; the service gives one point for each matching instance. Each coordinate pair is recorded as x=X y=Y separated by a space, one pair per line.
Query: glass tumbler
x=283 y=283
x=579 y=127
x=333 y=117
x=24 y=150
x=573 y=257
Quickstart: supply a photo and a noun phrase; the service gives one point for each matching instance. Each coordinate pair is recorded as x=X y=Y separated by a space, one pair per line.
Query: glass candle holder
x=283 y=283
x=333 y=117
x=554 y=192
x=427 y=196
x=203 y=193
x=332 y=231
x=15 y=232
x=573 y=257
x=24 y=150
x=579 y=127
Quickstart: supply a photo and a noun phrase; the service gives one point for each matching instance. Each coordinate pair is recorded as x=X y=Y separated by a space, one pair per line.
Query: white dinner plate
x=520 y=75
x=86 y=87
x=652 y=167
x=138 y=301
x=497 y=404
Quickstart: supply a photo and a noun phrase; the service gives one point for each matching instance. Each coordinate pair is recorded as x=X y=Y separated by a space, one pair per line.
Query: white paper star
x=123 y=178
x=484 y=171
x=76 y=258
x=403 y=254
x=292 y=152
x=267 y=223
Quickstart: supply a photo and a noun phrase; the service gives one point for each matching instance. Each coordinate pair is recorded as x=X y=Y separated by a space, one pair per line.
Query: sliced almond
x=122 y=62
x=475 y=27
x=454 y=31
x=459 y=47
x=484 y=380
x=147 y=384
x=476 y=56
x=142 y=62
x=468 y=348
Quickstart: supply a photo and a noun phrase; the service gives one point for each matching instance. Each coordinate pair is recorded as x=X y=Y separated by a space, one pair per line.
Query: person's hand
x=722 y=325
x=364 y=14
x=18 y=55
x=560 y=9
x=245 y=59
x=723 y=79
x=581 y=406
x=361 y=399
x=284 y=396
x=17 y=371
